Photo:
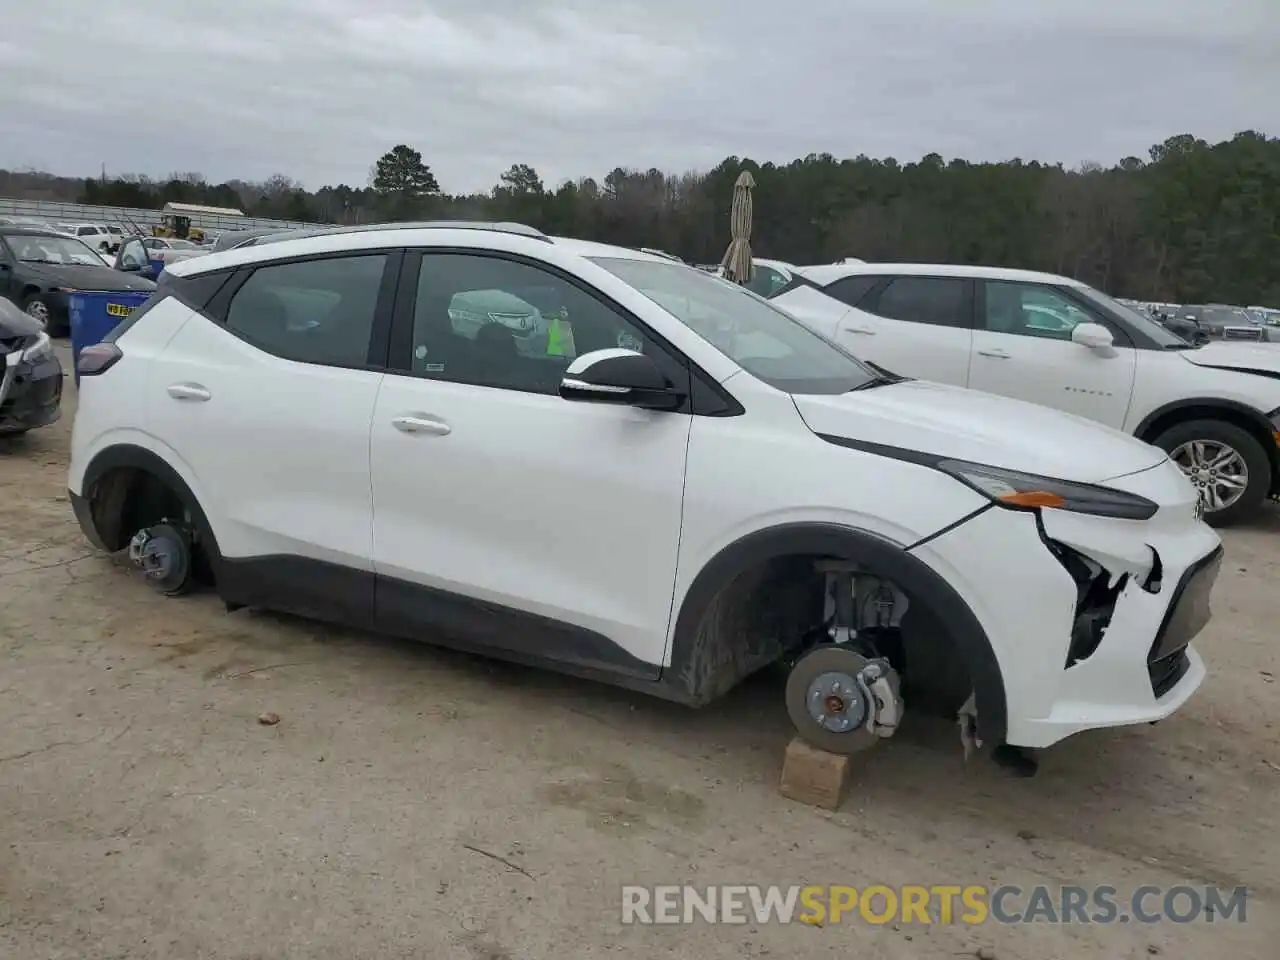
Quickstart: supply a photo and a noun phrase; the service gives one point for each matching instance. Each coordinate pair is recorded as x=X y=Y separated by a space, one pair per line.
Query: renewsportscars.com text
x=938 y=903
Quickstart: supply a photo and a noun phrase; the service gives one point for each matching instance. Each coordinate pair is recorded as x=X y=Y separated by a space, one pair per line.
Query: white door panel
x=273 y=443
x=1055 y=373
x=565 y=510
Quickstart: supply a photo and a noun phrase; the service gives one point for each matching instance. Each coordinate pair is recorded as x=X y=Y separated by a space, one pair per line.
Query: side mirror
x=1092 y=335
x=619 y=376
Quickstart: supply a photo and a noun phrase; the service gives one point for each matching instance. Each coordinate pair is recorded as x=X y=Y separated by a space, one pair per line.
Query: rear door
x=915 y=326
x=266 y=399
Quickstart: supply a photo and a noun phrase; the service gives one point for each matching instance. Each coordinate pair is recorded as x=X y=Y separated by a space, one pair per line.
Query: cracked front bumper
x=30 y=393
x=1143 y=667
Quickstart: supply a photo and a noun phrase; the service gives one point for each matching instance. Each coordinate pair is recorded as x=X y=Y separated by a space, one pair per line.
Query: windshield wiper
x=883 y=377
x=38 y=260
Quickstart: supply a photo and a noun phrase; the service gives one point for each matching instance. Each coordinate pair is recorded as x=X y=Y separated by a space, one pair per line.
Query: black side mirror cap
x=618 y=376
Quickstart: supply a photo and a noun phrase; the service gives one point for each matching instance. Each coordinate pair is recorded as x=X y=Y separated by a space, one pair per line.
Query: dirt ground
x=145 y=812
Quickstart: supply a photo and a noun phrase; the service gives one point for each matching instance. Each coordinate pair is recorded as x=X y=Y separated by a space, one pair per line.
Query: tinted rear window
x=194 y=292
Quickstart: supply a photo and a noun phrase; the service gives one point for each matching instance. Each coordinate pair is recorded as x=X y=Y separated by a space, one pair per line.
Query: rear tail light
x=97 y=358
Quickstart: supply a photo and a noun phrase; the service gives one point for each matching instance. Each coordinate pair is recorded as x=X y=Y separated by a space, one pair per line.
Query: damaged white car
x=726 y=492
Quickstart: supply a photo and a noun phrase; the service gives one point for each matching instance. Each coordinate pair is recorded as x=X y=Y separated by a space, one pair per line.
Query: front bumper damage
x=30 y=392
x=1094 y=624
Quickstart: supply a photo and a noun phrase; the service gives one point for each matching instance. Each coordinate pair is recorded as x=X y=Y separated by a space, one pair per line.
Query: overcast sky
x=318 y=89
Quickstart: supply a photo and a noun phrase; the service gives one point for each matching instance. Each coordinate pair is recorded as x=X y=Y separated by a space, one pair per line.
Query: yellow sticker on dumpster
x=118 y=310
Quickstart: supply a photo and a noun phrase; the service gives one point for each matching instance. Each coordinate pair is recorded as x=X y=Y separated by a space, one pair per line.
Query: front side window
x=757 y=336
x=1140 y=321
x=1031 y=310
x=940 y=301
x=501 y=323
x=314 y=311
x=52 y=248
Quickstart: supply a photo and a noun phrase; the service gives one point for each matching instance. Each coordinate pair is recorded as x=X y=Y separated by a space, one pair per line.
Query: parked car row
x=334 y=424
x=1198 y=323
x=40 y=269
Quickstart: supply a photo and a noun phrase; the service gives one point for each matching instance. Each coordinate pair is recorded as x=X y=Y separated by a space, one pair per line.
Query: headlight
x=1026 y=491
x=42 y=349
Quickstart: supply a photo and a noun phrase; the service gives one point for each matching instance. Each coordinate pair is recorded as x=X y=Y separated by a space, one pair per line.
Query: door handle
x=863 y=330
x=427 y=425
x=188 y=391
x=997 y=354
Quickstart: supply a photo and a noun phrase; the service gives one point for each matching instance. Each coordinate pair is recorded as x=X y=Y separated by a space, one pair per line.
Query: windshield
x=49 y=248
x=757 y=336
x=1160 y=334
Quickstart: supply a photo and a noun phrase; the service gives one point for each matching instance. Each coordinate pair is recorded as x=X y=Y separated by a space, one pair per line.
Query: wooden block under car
x=814 y=776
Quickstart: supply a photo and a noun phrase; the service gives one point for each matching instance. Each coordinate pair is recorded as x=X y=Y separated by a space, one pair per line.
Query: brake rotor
x=826 y=704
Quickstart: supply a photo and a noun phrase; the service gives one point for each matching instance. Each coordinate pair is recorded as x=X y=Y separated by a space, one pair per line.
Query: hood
x=1260 y=358
x=86 y=277
x=15 y=323
x=981 y=428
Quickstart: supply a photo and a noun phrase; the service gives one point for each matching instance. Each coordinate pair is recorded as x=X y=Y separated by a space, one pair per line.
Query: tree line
x=1194 y=222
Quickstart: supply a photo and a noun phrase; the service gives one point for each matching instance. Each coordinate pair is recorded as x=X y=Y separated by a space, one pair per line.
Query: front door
x=504 y=515
x=267 y=407
x=1023 y=349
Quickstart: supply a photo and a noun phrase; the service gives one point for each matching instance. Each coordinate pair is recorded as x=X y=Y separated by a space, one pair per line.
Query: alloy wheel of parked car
x=1227 y=466
x=37 y=309
x=1218 y=471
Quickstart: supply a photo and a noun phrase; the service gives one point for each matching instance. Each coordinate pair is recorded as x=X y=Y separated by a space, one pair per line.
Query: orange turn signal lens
x=1033 y=498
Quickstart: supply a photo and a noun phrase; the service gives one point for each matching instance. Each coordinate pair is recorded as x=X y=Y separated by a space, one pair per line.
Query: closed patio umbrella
x=737 y=259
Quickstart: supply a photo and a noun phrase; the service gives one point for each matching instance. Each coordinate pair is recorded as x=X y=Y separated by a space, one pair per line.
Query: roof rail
x=499 y=226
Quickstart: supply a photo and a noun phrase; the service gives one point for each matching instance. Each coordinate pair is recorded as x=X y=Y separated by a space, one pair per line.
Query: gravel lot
x=145 y=812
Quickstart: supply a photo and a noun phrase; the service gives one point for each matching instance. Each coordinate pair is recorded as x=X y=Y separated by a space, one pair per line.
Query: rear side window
x=312 y=311
x=940 y=301
x=194 y=292
x=851 y=290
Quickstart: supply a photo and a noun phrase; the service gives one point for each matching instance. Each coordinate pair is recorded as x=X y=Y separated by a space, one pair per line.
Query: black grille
x=1167 y=671
x=1167 y=660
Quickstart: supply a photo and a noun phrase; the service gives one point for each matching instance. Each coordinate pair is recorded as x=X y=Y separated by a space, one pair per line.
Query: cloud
x=318 y=89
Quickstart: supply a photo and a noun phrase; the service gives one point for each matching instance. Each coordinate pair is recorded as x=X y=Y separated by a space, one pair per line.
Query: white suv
x=96 y=235
x=1052 y=340
x=684 y=486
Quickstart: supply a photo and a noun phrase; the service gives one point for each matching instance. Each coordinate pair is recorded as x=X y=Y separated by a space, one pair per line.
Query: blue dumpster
x=94 y=314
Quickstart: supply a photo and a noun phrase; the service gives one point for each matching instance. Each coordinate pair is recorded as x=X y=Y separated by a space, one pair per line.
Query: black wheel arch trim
x=888 y=558
x=1253 y=414
x=132 y=456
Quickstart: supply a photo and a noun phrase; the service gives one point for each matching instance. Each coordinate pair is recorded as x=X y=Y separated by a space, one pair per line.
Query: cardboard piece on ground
x=814 y=776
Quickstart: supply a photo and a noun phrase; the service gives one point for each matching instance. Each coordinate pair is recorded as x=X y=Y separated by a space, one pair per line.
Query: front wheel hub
x=842 y=701
x=835 y=703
